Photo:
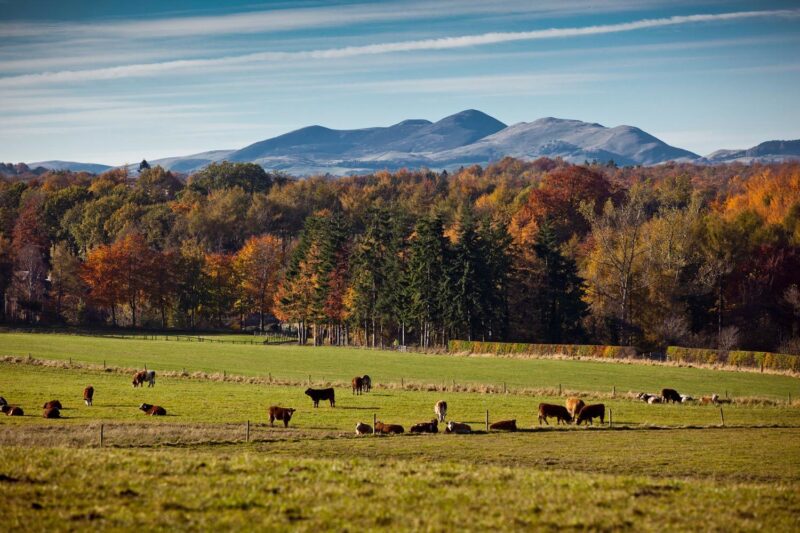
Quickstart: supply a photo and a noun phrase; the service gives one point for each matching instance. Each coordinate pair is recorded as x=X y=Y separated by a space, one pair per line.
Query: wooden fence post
x=101 y=435
x=487 y=421
x=374 y=422
x=402 y=384
x=247 y=432
x=504 y=387
x=722 y=417
x=559 y=389
x=613 y=391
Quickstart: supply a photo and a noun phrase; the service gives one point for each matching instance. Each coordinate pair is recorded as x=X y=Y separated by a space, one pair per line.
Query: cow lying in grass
x=3 y=401
x=574 y=406
x=589 y=412
x=380 y=427
x=280 y=413
x=363 y=429
x=426 y=427
x=51 y=412
x=52 y=404
x=504 y=425
x=321 y=394
x=12 y=410
x=88 y=394
x=441 y=410
x=153 y=410
x=456 y=427
x=560 y=413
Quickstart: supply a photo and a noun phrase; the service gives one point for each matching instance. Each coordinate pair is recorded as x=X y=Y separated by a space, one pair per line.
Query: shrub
x=570 y=350
x=737 y=358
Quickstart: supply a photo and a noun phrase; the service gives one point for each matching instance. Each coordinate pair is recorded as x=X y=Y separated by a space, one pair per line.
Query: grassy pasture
x=340 y=364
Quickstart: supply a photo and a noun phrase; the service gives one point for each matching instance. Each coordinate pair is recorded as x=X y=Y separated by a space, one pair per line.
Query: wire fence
x=260 y=340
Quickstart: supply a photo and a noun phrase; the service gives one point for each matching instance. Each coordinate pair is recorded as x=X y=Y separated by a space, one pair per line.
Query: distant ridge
x=766 y=152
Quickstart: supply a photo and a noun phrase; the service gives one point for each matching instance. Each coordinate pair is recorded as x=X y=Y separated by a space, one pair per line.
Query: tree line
x=542 y=251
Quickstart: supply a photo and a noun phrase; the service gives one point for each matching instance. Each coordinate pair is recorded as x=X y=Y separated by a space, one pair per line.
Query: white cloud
x=445 y=43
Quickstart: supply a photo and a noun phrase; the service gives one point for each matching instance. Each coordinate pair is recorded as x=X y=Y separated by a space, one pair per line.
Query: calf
x=12 y=410
x=321 y=394
x=456 y=427
x=589 y=412
x=558 y=411
x=363 y=429
x=280 y=413
x=574 y=406
x=670 y=395
x=380 y=427
x=52 y=404
x=505 y=425
x=51 y=412
x=441 y=410
x=88 y=394
x=426 y=427
x=358 y=385
x=367 y=383
x=153 y=410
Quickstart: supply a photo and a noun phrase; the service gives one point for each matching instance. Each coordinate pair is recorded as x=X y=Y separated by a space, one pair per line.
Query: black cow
x=322 y=394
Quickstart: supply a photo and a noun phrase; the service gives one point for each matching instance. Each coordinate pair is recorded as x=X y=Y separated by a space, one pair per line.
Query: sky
x=115 y=82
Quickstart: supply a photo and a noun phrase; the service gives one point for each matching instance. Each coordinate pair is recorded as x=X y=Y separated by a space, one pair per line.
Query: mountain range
x=465 y=138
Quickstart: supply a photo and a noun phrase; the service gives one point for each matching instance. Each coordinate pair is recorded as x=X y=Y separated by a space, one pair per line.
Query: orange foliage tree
x=258 y=266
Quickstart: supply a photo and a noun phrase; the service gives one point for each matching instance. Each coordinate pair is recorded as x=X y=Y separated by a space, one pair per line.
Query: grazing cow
x=685 y=398
x=380 y=427
x=12 y=410
x=150 y=378
x=654 y=399
x=280 y=413
x=3 y=401
x=363 y=429
x=52 y=404
x=321 y=394
x=138 y=378
x=88 y=394
x=441 y=410
x=51 y=412
x=366 y=381
x=589 y=412
x=705 y=400
x=670 y=395
x=558 y=411
x=153 y=410
x=426 y=427
x=505 y=425
x=574 y=406
x=456 y=427
x=358 y=385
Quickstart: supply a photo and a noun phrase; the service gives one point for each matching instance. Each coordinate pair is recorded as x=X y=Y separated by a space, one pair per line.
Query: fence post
x=402 y=384
x=270 y=377
x=454 y=385
x=70 y=361
x=101 y=435
x=247 y=432
x=610 y=418
x=309 y=379
x=487 y=421
x=722 y=417
x=504 y=387
x=559 y=389
x=374 y=422
x=104 y=365
x=613 y=391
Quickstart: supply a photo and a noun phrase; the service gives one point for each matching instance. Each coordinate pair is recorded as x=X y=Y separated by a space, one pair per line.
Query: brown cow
x=457 y=427
x=440 y=409
x=670 y=395
x=592 y=411
x=153 y=410
x=558 y=411
x=88 y=394
x=426 y=427
x=505 y=425
x=380 y=427
x=12 y=410
x=51 y=412
x=358 y=385
x=280 y=413
x=138 y=378
x=52 y=404
x=574 y=406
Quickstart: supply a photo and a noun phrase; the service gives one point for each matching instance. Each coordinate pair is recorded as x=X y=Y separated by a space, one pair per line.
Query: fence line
x=268 y=339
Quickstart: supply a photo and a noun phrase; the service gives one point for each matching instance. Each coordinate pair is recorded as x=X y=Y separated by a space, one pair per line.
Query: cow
x=3 y=401
x=426 y=427
x=380 y=427
x=670 y=395
x=153 y=410
x=150 y=378
x=138 y=378
x=441 y=410
x=51 y=412
x=358 y=385
x=558 y=411
x=589 y=412
x=88 y=394
x=456 y=427
x=321 y=394
x=654 y=399
x=12 y=410
x=363 y=429
x=280 y=413
x=367 y=383
x=574 y=406
x=143 y=376
x=645 y=396
x=505 y=425
x=52 y=404
x=685 y=398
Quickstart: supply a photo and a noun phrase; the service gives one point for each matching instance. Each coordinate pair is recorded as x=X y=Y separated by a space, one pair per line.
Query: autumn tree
x=258 y=266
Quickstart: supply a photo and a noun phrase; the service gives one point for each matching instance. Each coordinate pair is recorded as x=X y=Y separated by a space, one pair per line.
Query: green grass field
x=340 y=364
x=662 y=467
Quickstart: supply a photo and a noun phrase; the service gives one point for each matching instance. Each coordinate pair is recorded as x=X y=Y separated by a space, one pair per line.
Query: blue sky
x=115 y=82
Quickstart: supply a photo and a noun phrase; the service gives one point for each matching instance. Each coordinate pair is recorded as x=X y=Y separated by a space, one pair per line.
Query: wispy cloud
x=445 y=43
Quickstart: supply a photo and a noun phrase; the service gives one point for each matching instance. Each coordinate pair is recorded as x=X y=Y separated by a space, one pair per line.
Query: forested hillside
x=542 y=251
